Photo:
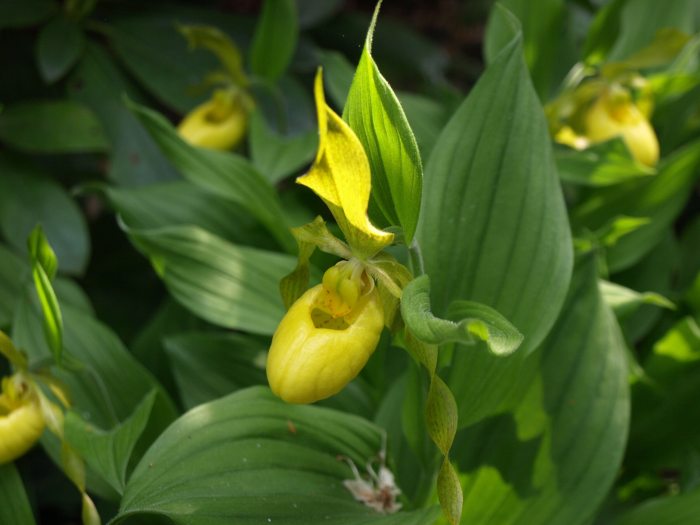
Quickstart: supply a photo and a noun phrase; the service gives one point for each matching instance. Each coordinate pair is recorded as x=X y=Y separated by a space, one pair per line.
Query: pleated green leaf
x=377 y=118
x=680 y=509
x=225 y=174
x=14 y=505
x=58 y=47
x=225 y=284
x=108 y=452
x=249 y=458
x=554 y=459
x=494 y=228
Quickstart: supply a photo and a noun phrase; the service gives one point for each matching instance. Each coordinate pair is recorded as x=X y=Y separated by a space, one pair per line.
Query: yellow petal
x=220 y=123
x=608 y=118
x=341 y=176
x=19 y=430
x=307 y=363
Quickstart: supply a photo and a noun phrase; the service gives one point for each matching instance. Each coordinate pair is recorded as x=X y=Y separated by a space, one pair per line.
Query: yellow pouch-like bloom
x=21 y=420
x=315 y=352
x=614 y=114
x=220 y=123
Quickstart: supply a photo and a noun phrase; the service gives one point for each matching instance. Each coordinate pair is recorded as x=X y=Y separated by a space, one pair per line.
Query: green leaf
x=603 y=32
x=338 y=74
x=20 y=13
x=29 y=197
x=554 y=458
x=181 y=203
x=467 y=321
x=40 y=127
x=224 y=174
x=108 y=452
x=270 y=462
x=624 y=301
x=636 y=32
x=542 y=23
x=426 y=117
x=494 y=228
x=152 y=49
x=661 y=434
x=105 y=382
x=209 y=365
x=277 y=156
x=659 y=198
x=679 y=509
x=59 y=47
x=44 y=265
x=228 y=285
x=99 y=84
x=377 y=118
x=14 y=505
x=41 y=252
x=603 y=164
x=275 y=39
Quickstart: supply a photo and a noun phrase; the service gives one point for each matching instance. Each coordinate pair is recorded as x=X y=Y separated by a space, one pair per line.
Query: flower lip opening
x=323 y=319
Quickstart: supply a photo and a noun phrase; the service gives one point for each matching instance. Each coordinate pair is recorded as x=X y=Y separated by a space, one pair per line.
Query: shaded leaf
x=59 y=46
x=41 y=127
x=225 y=284
x=14 y=505
x=275 y=39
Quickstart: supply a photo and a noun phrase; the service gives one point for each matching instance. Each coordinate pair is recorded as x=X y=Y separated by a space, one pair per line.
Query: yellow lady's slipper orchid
x=220 y=123
x=21 y=418
x=613 y=114
x=326 y=337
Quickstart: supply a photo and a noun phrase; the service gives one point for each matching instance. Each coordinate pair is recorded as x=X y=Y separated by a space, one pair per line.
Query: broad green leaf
x=209 y=365
x=603 y=164
x=28 y=197
x=659 y=198
x=100 y=85
x=377 y=118
x=225 y=174
x=225 y=284
x=311 y=12
x=249 y=458
x=624 y=301
x=543 y=23
x=466 y=323
x=277 y=156
x=181 y=203
x=58 y=48
x=554 y=459
x=14 y=504
x=636 y=32
x=678 y=509
x=61 y=126
x=20 y=13
x=275 y=39
x=493 y=226
x=108 y=452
